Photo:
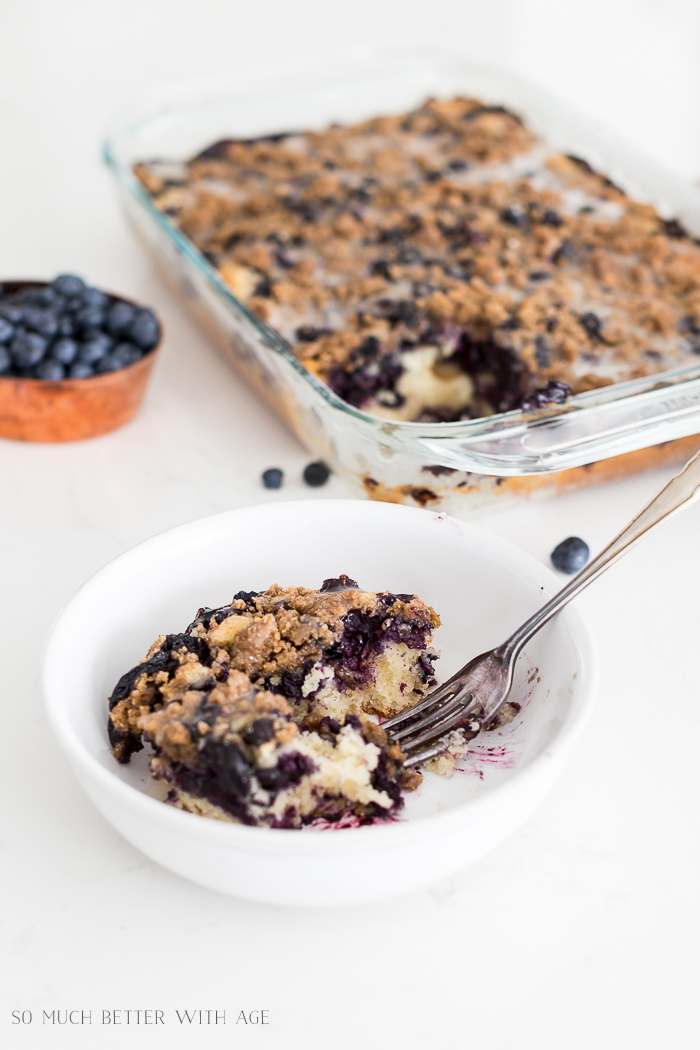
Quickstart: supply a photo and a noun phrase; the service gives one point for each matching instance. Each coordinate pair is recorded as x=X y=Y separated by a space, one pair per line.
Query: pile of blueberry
x=67 y=330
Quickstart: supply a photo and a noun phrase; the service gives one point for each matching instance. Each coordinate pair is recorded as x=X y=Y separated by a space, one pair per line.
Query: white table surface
x=582 y=929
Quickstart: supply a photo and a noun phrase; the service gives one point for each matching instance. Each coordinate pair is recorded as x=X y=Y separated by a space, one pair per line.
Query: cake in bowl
x=264 y=711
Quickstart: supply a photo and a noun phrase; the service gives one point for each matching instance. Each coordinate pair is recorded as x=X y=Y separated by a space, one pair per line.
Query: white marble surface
x=582 y=929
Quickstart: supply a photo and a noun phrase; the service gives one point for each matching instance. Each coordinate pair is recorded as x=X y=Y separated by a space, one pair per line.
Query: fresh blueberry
x=49 y=369
x=6 y=330
x=45 y=322
x=48 y=296
x=27 y=349
x=144 y=329
x=316 y=474
x=66 y=326
x=64 y=350
x=80 y=370
x=95 y=297
x=73 y=304
x=114 y=360
x=119 y=318
x=12 y=312
x=129 y=353
x=272 y=478
x=94 y=348
x=570 y=555
x=68 y=284
x=90 y=317
x=5 y=360
x=28 y=296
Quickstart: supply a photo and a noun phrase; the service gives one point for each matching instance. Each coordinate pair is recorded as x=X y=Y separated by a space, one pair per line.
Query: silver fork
x=471 y=699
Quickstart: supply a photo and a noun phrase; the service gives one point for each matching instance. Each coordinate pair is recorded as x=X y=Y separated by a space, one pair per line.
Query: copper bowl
x=72 y=409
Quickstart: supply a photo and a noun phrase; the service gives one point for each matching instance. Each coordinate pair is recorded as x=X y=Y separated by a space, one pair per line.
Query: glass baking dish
x=460 y=466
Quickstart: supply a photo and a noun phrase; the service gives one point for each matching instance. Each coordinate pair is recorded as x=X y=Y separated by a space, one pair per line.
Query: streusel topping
x=443 y=263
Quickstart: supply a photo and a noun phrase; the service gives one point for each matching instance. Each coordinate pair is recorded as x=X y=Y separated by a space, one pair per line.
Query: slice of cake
x=258 y=713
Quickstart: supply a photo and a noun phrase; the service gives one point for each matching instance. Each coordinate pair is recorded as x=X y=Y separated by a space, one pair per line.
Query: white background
x=580 y=931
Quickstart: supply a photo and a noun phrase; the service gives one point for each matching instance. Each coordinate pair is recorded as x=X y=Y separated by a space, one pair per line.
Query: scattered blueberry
x=272 y=478
x=570 y=555
x=316 y=474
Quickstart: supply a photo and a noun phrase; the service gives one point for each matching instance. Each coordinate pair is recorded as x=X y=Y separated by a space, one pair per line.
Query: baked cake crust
x=256 y=713
x=443 y=263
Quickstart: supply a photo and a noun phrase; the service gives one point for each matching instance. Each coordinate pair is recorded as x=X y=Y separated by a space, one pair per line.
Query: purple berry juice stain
x=507 y=752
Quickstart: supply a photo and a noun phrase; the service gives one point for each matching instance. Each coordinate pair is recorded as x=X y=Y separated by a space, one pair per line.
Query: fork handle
x=680 y=491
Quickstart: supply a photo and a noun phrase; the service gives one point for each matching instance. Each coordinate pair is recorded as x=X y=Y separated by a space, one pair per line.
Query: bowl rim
x=88 y=767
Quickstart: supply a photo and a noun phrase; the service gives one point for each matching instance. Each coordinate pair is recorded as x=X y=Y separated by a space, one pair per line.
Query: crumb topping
x=443 y=263
x=255 y=713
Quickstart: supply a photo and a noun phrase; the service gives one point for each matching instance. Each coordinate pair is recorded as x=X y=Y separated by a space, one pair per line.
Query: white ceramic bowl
x=482 y=588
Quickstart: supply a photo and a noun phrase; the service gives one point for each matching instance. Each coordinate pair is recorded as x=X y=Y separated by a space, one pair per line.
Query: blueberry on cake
x=442 y=264
x=260 y=712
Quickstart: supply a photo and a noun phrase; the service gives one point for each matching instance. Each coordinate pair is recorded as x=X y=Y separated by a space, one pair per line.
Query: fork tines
x=444 y=711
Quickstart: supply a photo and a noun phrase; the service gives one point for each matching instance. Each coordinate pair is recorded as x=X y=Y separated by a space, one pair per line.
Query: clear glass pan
x=427 y=463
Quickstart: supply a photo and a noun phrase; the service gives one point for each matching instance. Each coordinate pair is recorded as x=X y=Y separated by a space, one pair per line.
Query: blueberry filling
x=338 y=583
x=125 y=744
x=366 y=635
x=226 y=747
x=554 y=393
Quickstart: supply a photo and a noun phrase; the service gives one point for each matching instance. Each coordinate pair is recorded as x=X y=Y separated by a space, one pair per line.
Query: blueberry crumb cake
x=261 y=712
x=442 y=264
